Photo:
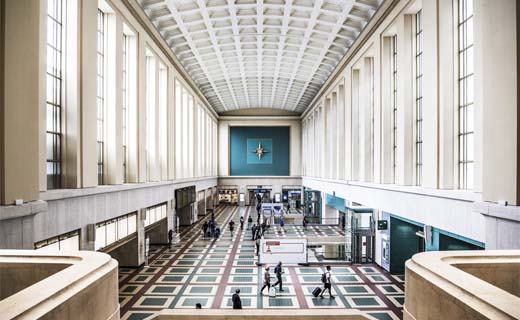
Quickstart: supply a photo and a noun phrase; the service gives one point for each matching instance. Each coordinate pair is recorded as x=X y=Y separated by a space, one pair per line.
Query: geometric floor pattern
x=207 y=271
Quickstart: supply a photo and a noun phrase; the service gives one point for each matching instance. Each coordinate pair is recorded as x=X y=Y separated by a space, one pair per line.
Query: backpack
x=324 y=278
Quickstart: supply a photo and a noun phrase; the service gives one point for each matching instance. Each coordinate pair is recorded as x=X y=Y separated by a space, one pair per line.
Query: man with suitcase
x=327 y=283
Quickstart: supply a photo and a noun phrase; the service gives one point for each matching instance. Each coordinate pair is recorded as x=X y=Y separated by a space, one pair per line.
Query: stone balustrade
x=463 y=285
x=41 y=285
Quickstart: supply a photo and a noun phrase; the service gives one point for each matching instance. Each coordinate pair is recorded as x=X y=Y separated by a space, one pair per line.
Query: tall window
x=100 y=95
x=54 y=87
x=466 y=109
x=125 y=104
x=394 y=106
x=150 y=113
x=418 y=97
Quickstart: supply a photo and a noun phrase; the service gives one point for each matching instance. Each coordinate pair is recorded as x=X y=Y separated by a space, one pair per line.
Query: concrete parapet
x=463 y=285
x=42 y=285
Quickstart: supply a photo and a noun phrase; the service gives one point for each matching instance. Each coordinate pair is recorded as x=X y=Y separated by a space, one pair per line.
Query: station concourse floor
x=207 y=271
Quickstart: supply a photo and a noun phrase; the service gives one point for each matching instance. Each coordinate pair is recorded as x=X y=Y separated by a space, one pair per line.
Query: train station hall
x=259 y=159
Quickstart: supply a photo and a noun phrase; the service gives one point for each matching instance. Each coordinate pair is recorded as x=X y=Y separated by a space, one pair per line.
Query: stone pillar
x=430 y=101
x=365 y=119
x=405 y=101
x=88 y=93
x=496 y=101
x=114 y=108
x=348 y=124
x=446 y=69
x=141 y=234
x=355 y=124
x=341 y=127
x=386 y=112
x=20 y=129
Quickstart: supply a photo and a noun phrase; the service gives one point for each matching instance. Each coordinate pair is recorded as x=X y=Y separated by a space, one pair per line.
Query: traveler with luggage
x=278 y=272
x=267 y=280
x=327 y=283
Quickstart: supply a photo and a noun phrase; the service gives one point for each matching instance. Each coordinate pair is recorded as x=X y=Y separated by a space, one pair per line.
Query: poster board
x=288 y=251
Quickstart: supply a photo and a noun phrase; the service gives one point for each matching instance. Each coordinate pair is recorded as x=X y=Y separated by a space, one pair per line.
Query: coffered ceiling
x=259 y=54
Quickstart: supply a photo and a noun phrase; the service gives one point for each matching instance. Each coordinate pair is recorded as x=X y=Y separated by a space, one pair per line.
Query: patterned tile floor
x=207 y=271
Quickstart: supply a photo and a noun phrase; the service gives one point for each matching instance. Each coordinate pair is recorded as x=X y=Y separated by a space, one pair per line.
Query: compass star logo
x=260 y=151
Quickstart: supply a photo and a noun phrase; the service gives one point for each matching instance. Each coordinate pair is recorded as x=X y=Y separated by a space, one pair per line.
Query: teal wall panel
x=276 y=140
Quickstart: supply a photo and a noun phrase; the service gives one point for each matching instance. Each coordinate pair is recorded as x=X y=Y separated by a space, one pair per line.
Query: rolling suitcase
x=272 y=292
x=316 y=292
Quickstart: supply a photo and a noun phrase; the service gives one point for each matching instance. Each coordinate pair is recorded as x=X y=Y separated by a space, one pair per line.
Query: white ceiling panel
x=260 y=54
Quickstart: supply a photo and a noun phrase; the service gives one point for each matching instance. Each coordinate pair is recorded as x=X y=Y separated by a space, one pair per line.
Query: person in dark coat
x=257 y=244
x=170 y=238
x=253 y=232
x=231 y=226
x=237 y=303
x=241 y=223
x=249 y=222
x=278 y=272
x=205 y=228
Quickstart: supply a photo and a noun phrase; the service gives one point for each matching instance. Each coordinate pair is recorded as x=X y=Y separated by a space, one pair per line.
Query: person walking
x=253 y=232
x=267 y=281
x=278 y=272
x=327 y=283
x=231 y=226
x=205 y=228
x=305 y=222
x=249 y=222
x=257 y=244
x=170 y=238
x=216 y=233
x=211 y=227
x=237 y=303
x=264 y=226
x=241 y=222
x=282 y=223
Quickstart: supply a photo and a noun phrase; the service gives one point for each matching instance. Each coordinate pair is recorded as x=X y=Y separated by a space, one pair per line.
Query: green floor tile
x=245 y=270
x=243 y=289
x=280 y=302
x=365 y=302
x=347 y=278
x=139 y=316
x=172 y=278
x=382 y=316
x=318 y=302
x=153 y=301
x=186 y=262
x=243 y=279
x=129 y=289
x=355 y=289
x=207 y=279
x=201 y=290
x=164 y=289
x=209 y=270
x=192 y=301
x=214 y=262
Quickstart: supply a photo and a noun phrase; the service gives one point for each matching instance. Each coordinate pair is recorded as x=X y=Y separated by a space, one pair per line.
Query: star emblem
x=260 y=151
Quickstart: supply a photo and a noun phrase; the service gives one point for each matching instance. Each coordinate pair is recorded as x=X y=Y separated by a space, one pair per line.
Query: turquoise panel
x=275 y=140
x=335 y=202
x=254 y=146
